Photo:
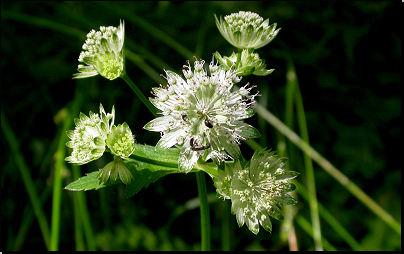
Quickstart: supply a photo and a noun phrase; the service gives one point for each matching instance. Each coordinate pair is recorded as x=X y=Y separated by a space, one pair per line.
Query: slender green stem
x=292 y=81
x=225 y=220
x=139 y=94
x=208 y=168
x=28 y=217
x=331 y=220
x=147 y=27
x=26 y=177
x=84 y=214
x=78 y=229
x=309 y=230
x=329 y=168
x=204 y=207
x=57 y=184
x=238 y=58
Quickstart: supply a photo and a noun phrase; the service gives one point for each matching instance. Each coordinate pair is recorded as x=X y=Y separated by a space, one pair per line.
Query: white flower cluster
x=202 y=114
x=90 y=137
x=103 y=52
x=246 y=30
x=257 y=189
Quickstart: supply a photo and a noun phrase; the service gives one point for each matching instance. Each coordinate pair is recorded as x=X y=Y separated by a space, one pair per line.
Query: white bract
x=88 y=137
x=250 y=63
x=202 y=114
x=257 y=189
x=103 y=52
x=246 y=30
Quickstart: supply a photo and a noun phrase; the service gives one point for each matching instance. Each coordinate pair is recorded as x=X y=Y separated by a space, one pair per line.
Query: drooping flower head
x=88 y=137
x=246 y=30
x=250 y=63
x=103 y=52
x=257 y=189
x=115 y=169
x=202 y=114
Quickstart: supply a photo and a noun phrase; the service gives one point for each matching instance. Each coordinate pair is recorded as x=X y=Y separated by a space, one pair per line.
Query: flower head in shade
x=114 y=169
x=250 y=63
x=202 y=114
x=103 y=53
x=257 y=189
x=88 y=137
x=120 y=141
x=246 y=30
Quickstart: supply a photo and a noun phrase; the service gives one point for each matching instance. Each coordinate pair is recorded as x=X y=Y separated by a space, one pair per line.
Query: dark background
x=347 y=57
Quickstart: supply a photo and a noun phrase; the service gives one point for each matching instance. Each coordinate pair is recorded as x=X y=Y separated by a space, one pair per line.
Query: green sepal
x=89 y=182
x=245 y=71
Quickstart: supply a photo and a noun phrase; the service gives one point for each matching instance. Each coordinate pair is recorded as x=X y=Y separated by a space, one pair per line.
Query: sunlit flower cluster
x=246 y=30
x=103 y=52
x=93 y=134
x=202 y=114
x=88 y=137
x=257 y=189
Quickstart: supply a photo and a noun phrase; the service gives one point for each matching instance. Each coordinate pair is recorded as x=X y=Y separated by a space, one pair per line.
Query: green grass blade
x=204 y=207
x=26 y=177
x=78 y=229
x=327 y=216
x=329 y=168
x=84 y=213
x=330 y=219
x=305 y=225
x=57 y=182
x=143 y=24
x=291 y=80
x=28 y=217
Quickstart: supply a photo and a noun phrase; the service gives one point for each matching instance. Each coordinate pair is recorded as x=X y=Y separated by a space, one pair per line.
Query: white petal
x=159 y=124
x=170 y=139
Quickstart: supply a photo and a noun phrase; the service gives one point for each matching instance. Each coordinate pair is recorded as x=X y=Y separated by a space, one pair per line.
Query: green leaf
x=147 y=164
x=149 y=154
x=88 y=182
x=144 y=174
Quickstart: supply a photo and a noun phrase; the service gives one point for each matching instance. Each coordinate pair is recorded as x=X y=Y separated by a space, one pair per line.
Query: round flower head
x=250 y=63
x=257 y=190
x=246 y=30
x=103 y=52
x=88 y=137
x=202 y=114
x=120 y=141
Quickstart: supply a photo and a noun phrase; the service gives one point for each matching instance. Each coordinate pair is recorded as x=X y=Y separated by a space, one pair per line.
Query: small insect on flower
x=208 y=123
x=203 y=109
x=197 y=148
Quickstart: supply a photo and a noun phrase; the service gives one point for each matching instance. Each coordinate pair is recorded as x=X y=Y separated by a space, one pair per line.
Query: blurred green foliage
x=347 y=57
